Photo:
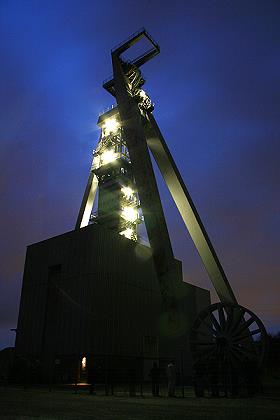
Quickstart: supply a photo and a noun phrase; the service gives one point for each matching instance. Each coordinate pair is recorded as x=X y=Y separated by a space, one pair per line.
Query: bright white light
x=84 y=362
x=127 y=192
x=130 y=214
x=142 y=93
x=108 y=156
x=111 y=125
x=127 y=233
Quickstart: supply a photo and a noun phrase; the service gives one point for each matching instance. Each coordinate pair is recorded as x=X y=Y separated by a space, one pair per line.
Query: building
x=96 y=303
x=92 y=296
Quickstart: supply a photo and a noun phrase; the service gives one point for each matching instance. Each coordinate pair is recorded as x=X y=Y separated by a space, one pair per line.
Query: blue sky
x=216 y=89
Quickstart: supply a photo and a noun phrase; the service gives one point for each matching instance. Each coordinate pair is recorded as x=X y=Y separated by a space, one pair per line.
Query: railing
x=109 y=108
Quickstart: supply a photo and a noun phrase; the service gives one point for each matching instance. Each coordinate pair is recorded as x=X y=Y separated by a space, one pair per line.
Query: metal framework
x=140 y=133
x=226 y=329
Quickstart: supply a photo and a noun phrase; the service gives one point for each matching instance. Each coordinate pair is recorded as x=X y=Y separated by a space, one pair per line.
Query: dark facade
x=93 y=293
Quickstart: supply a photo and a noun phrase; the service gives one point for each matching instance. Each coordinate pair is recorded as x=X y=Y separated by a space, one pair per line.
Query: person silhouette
x=171 y=378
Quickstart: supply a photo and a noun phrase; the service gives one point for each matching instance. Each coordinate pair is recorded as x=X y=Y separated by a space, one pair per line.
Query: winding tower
x=234 y=333
x=96 y=293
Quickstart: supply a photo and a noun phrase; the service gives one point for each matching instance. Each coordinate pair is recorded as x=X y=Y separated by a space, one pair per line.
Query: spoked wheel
x=228 y=344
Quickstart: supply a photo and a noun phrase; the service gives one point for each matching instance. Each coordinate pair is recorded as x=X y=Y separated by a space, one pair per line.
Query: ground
x=17 y=403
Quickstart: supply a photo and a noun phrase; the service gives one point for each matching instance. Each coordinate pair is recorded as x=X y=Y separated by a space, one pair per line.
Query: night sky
x=217 y=94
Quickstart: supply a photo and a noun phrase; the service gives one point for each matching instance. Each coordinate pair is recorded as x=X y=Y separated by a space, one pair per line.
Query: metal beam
x=87 y=202
x=133 y=39
x=134 y=136
x=109 y=84
x=187 y=210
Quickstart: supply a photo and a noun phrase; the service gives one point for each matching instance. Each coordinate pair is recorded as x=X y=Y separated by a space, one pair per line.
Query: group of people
x=171 y=379
x=96 y=375
x=218 y=377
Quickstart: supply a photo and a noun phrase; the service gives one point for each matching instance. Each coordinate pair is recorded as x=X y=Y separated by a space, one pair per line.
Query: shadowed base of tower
x=91 y=292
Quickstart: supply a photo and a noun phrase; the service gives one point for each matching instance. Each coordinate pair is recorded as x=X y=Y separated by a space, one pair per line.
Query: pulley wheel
x=228 y=333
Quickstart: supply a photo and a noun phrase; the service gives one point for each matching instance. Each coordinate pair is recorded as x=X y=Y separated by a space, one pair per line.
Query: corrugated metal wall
x=107 y=290
x=93 y=291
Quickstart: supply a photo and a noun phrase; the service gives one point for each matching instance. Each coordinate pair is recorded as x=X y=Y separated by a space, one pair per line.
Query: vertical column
x=146 y=184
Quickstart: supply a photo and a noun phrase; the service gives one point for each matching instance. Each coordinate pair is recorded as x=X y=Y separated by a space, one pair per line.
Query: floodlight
x=130 y=214
x=108 y=156
x=127 y=233
x=111 y=125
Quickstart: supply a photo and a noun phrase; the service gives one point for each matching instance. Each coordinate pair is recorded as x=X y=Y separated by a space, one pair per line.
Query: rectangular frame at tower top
x=108 y=84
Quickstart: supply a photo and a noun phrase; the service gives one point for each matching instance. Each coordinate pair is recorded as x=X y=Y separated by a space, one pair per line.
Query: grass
x=17 y=403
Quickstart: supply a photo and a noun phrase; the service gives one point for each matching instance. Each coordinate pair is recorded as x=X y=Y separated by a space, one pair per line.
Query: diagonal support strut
x=188 y=212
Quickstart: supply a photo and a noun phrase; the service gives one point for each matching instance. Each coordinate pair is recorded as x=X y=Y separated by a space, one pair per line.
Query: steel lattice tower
x=229 y=324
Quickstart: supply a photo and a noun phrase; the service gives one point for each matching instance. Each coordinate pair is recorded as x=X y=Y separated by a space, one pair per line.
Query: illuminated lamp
x=108 y=156
x=142 y=93
x=130 y=214
x=127 y=233
x=84 y=363
x=111 y=126
x=127 y=192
